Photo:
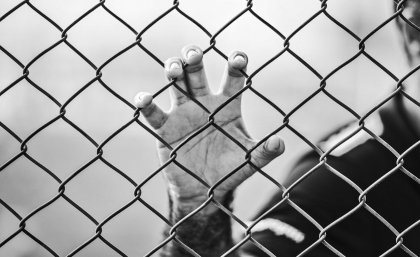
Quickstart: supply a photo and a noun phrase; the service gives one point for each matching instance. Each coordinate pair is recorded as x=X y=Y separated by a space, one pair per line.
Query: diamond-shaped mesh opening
x=33 y=113
x=73 y=10
x=24 y=186
x=27 y=25
x=63 y=153
x=79 y=172
x=174 y=24
x=103 y=113
x=91 y=39
x=102 y=198
x=66 y=226
x=129 y=231
x=63 y=65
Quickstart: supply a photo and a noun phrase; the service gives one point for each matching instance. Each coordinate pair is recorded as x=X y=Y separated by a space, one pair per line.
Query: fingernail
x=175 y=70
x=174 y=66
x=239 y=61
x=273 y=144
x=191 y=53
x=142 y=99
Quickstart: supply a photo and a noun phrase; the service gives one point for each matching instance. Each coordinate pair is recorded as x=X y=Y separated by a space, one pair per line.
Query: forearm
x=208 y=232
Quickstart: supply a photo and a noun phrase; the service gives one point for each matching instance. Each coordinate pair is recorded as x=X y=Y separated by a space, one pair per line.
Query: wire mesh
x=212 y=46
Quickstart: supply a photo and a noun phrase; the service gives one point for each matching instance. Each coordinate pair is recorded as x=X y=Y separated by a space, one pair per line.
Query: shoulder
x=352 y=149
x=330 y=185
x=318 y=189
x=322 y=190
x=352 y=135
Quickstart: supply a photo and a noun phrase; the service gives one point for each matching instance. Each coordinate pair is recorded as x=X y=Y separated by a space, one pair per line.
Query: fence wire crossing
x=137 y=192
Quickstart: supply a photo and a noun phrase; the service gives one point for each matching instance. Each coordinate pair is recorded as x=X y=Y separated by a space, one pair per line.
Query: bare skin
x=210 y=155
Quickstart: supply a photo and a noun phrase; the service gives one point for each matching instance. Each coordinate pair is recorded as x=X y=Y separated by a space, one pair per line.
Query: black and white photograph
x=234 y=128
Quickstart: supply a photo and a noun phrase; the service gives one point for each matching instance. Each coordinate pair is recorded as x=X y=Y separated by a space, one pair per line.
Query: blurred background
x=99 y=189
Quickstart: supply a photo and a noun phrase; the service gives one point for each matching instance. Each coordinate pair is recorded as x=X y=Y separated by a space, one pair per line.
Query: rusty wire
x=137 y=187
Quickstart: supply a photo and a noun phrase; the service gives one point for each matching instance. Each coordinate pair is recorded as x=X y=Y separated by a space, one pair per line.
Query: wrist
x=187 y=204
x=207 y=233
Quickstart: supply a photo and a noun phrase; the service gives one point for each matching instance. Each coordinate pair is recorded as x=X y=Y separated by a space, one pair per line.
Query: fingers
x=153 y=114
x=233 y=79
x=174 y=70
x=267 y=151
x=194 y=71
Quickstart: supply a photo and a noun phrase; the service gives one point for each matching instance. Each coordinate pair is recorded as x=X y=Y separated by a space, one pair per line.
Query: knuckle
x=235 y=72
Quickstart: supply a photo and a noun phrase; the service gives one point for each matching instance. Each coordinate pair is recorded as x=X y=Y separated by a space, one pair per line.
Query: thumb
x=267 y=151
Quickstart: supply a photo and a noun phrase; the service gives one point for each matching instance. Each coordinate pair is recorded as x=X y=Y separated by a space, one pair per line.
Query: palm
x=210 y=155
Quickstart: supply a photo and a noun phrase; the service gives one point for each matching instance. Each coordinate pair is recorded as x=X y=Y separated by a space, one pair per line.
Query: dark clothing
x=326 y=197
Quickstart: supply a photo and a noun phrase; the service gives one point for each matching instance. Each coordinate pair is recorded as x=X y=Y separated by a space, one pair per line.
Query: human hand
x=210 y=155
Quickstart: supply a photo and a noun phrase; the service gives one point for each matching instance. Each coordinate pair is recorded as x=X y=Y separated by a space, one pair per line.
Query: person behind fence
x=322 y=194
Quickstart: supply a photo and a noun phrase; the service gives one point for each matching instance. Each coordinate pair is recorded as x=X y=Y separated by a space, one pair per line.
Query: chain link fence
x=100 y=225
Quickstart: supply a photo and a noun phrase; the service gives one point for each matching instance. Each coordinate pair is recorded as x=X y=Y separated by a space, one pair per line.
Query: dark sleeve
x=323 y=197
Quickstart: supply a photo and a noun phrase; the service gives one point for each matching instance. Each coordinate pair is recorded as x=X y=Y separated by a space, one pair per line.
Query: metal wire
x=137 y=187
